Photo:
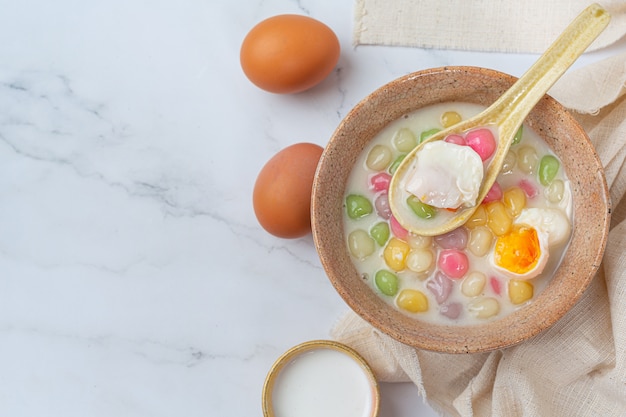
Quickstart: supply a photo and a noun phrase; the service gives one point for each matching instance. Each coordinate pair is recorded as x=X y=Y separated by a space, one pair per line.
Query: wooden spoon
x=504 y=117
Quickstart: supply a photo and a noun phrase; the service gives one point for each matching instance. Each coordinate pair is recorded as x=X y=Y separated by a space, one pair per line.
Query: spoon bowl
x=504 y=117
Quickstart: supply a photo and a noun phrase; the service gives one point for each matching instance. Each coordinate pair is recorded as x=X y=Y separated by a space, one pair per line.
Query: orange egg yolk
x=518 y=251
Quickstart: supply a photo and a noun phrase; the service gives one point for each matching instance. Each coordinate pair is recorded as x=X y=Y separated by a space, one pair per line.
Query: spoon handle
x=514 y=105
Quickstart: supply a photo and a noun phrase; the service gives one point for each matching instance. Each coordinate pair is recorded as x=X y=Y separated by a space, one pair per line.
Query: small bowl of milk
x=320 y=378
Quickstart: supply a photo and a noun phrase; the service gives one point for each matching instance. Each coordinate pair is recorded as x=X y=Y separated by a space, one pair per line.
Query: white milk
x=322 y=382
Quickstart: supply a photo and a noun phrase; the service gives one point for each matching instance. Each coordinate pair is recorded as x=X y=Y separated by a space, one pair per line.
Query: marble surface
x=134 y=278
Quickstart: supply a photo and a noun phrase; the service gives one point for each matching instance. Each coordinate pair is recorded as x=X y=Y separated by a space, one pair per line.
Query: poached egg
x=446 y=175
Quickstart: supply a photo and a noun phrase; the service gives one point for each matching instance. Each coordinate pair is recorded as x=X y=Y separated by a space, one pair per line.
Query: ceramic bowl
x=591 y=209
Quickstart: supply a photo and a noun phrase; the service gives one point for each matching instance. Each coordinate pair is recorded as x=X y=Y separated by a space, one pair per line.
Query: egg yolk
x=518 y=251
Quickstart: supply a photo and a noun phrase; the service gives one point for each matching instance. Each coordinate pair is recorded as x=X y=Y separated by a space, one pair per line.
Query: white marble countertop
x=134 y=278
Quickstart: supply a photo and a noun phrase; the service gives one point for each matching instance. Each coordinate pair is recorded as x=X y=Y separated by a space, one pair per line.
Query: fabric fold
x=478 y=25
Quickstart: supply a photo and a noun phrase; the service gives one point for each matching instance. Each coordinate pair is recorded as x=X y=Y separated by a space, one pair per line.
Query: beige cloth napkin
x=478 y=25
x=578 y=366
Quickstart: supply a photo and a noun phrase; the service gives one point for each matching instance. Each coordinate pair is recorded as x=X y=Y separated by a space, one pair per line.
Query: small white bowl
x=320 y=378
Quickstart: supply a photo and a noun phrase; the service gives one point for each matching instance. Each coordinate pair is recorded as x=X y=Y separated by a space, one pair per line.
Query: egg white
x=446 y=175
x=551 y=222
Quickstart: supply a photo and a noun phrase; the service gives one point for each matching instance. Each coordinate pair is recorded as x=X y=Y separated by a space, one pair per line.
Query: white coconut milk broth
x=358 y=183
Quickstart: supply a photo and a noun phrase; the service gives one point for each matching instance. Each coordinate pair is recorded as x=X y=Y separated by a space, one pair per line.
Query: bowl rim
x=440 y=337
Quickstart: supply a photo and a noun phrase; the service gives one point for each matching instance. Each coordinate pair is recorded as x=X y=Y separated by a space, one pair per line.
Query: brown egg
x=282 y=192
x=289 y=53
